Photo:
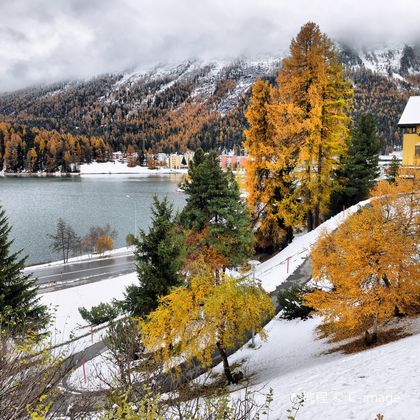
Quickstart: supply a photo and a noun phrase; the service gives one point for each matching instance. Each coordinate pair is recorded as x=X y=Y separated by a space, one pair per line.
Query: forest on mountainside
x=33 y=149
x=166 y=114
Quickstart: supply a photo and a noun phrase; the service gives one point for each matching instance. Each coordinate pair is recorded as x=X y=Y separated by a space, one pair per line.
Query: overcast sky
x=43 y=41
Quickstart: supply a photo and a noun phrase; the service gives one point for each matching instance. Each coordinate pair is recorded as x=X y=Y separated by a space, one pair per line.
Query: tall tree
x=19 y=302
x=159 y=260
x=267 y=178
x=206 y=316
x=370 y=281
x=64 y=240
x=356 y=176
x=215 y=216
x=310 y=116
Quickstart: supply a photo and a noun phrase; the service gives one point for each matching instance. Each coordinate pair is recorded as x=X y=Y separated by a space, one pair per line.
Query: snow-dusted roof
x=411 y=114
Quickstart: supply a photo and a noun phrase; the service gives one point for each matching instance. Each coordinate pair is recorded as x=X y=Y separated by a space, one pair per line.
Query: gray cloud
x=44 y=41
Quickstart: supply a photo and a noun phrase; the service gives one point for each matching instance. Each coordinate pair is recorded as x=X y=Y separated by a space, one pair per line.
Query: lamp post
x=135 y=214
x=254 y=264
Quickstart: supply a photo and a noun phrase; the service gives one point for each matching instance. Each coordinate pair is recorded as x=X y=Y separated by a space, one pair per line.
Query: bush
x=291 y=302
x=130 y=239
x=123 y=340
x=97 y=315
x=104 y=243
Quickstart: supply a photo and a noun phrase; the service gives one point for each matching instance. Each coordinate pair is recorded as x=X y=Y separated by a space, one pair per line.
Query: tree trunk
x=372 y=338
x=309 y=220
x=226 y=366
x=375 y=330
x=317 y=211
x=289 y=235
x=316 y=215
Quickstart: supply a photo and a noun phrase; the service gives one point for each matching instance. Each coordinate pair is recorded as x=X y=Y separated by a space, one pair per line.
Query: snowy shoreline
x=118 y=168
x=103 y=168
x=83 y=258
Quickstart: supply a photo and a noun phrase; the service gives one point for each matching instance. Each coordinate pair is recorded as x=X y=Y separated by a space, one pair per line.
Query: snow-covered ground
x=114 y=168
x=65 y=303
x=293 y=361
x=272 y=273
x=278 y=268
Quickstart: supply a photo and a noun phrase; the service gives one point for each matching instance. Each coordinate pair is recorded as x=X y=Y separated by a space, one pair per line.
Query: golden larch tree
x=371 y=263
x=310 y=114
x=208 y=315
x=266 y=173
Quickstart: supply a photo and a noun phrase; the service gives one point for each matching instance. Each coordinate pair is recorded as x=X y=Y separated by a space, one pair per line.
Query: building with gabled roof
x=410 y=122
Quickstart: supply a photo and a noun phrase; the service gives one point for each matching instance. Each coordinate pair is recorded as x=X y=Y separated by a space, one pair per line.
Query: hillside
x=197 y=103
x=293 y=360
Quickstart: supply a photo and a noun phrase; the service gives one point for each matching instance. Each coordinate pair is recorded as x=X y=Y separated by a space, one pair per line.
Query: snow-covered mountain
x=179 y=105
x=205 y=77
x=398 y=61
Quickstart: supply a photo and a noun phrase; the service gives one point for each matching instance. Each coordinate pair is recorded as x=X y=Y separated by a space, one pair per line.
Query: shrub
x=130 y=239
x=99 y=314
x=291 y=302
x=104 y=243
x=123 y=340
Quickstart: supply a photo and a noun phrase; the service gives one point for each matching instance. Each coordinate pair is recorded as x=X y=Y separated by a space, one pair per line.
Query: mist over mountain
x=46 y=41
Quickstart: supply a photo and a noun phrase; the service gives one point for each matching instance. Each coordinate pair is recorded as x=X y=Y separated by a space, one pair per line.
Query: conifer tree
x=359 y=169
x=371 y=262
x=393 y=170
x=20 y=308
x=310 y=116
x=159 y=260
x=215 y=216
x=209 y=314
x=266 y=175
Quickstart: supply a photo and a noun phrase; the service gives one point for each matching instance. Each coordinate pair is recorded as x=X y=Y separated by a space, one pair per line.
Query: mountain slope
x=196 y=103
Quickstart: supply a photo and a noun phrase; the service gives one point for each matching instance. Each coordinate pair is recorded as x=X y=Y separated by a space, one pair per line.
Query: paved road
x=75 y=274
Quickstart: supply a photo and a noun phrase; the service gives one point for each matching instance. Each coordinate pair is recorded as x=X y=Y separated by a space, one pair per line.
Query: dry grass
x=358 y=344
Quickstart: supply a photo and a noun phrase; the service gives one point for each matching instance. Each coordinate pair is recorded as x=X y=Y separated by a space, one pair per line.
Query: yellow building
x=410 y=121
x=174 y=161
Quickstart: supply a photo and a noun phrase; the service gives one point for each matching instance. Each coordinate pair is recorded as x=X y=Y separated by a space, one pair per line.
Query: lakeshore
x=103 y=168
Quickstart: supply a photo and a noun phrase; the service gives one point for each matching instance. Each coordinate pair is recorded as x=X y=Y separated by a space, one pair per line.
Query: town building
x=162 y=159
x=188 y=156
x=118 y=156
x=232 y=161
x=410 y=122
x=174 y=161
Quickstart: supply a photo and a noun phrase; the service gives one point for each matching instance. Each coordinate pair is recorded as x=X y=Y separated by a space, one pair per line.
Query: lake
x=34 y=204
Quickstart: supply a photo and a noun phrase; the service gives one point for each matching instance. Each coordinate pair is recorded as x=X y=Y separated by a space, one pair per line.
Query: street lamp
x=135 y=214
x=254 y=264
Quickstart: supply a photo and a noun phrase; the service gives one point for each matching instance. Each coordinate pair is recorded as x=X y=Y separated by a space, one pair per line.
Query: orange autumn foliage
x=104 y=243
x=297 y=131
x=371 y=263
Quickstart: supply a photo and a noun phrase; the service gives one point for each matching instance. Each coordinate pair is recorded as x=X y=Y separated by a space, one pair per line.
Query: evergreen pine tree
x=159 y=259
x=19 y=304
x=215 y=215
x=393 y=170
x=359 y=169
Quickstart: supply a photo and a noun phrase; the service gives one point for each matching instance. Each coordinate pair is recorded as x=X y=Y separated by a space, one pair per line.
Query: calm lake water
x=33 y=206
